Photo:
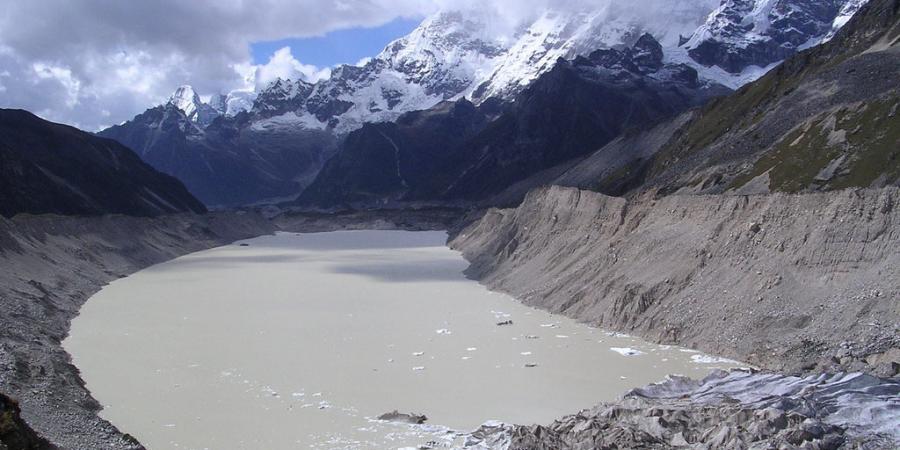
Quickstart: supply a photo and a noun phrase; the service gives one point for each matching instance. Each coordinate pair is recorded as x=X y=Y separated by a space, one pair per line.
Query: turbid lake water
x=299 y=341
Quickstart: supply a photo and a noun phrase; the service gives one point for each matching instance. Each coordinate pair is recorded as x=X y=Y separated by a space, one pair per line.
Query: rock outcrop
x=15 y=434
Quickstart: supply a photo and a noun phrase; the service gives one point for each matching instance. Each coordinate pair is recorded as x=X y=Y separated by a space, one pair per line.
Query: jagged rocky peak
x=449 y=42
x=282 y=95
x=744 y=33
x=186 y=99
x=566 y=33
x=645 y=59
x=439 y=60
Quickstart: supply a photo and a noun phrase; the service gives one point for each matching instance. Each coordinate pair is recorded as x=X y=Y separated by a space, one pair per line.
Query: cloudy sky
x=95 y=63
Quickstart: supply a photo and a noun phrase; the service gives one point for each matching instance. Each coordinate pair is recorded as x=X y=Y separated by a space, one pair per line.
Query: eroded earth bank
x=799 y=284
x=51 y=266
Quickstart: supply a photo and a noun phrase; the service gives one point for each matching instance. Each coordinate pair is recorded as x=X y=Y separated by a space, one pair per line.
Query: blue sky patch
x=338 y=47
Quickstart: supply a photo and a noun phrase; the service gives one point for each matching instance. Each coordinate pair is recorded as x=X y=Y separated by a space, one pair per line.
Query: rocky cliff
x=783 y=282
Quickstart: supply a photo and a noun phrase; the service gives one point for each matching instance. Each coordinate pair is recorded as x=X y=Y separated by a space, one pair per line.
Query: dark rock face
x=234 y=160
x=463 y=153
x=51 y=168
x=398 y=417
x=745 y=33
x=386 y=162
x=15 y=434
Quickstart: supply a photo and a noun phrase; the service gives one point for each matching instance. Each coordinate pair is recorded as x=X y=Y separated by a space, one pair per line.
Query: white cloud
x=283 y=65
x=64 y=77
x=70 y=60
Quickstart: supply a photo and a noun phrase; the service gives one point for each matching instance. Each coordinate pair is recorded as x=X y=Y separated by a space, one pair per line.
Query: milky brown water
x=299 y=341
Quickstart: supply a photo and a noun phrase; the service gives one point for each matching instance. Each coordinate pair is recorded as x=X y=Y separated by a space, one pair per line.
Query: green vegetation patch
x=864 y=139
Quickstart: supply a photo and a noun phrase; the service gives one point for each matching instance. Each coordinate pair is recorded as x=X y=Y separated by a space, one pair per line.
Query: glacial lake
x=301 y=340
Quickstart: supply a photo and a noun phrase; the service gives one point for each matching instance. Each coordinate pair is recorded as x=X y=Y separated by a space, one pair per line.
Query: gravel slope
x=783 y=282
x=50 y=266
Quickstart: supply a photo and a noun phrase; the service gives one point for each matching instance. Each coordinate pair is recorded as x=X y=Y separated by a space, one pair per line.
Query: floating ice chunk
x=418 y=353
x=562 y=336
x=500 y=314
x=443 y=331
x=466 y=358
x=418 y=368
x=525 y=353
x=471 y=349
x=707 y=359
x=298 y=394
x=626 y=351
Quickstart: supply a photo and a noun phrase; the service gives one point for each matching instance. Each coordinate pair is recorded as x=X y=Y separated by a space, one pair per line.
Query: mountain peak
x=186 y=99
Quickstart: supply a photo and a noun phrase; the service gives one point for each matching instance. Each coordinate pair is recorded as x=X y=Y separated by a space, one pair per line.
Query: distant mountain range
x=827 y=118
x=231 y=151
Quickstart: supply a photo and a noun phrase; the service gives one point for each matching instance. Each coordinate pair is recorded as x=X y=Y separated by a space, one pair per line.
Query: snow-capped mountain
x=441 y=59
x=455 y=56
x=846 y=13
x=462 y=152
x=202 y=114
x=743 y=34
x=233 y=103
x=557 y=34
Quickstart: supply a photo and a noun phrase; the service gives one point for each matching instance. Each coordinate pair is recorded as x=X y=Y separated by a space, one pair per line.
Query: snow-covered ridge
x=742 y=36
x=455 y=54
x=188 y=101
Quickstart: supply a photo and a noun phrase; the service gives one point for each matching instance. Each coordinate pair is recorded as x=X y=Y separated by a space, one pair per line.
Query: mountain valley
x=721 y=176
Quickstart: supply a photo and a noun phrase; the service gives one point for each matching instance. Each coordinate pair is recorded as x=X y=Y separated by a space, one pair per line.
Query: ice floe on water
x=707 y=359
x=626 y=351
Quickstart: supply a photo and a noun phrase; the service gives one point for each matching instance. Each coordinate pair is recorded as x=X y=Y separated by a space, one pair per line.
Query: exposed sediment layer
x=51 y=265
x=783 y=282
